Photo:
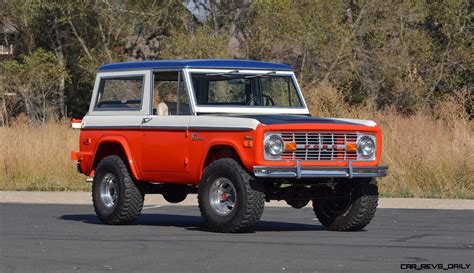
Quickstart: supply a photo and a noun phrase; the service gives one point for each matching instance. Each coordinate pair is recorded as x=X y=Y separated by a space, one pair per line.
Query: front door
x=165 y=141
x=165 y=144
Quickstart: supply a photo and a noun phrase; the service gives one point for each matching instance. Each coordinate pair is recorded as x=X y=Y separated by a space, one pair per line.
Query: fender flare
x=220 y=142
x=122 y=141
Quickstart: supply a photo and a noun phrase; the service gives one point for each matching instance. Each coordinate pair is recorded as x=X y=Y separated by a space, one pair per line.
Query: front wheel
x=115 y=195
x=229 y=199
x=354 y=211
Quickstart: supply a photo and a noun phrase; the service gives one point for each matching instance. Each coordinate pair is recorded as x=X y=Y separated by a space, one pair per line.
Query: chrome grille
x=319 y=146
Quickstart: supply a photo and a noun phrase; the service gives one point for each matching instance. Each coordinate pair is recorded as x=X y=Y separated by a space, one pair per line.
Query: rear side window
x=120 y=93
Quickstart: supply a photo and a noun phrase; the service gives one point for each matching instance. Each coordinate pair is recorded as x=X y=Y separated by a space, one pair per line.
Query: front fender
x=234 y=141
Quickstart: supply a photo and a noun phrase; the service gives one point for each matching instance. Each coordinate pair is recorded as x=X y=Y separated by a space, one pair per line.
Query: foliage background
x=406 y=64
x=402 y=54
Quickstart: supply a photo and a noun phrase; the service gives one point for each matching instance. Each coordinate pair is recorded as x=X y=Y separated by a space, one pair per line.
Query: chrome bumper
x=315 y=172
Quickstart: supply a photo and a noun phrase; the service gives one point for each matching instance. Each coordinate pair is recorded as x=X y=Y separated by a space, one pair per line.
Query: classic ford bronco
x=237 y=133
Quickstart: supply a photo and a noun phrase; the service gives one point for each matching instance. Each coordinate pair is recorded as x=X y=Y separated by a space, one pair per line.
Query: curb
x=84 y=198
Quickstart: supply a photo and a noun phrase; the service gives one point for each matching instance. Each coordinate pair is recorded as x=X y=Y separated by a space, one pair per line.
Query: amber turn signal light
x=248 y=143
x=290 y=146
x=351 y=147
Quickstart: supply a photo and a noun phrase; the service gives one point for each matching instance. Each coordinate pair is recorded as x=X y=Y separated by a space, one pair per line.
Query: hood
x=289 y=119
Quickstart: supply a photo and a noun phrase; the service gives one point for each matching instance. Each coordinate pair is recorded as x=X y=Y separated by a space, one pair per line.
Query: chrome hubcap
x=222 y=196
x=109 y=190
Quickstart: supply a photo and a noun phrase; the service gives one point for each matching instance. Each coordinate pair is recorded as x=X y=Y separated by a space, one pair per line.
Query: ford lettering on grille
x=320 y=146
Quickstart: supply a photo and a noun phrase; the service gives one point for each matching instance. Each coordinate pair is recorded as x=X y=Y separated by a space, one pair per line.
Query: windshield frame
x=237 y=109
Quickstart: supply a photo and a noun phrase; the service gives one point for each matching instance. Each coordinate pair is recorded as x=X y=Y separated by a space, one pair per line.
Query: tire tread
x=360 y=214
x=133 y=198
x=253 y=209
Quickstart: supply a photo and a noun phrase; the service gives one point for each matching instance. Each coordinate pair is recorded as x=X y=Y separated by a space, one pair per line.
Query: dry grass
x=427 y=156
x=38 y=158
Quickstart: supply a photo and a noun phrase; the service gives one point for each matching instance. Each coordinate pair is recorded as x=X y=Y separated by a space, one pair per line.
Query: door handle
x=146 y=120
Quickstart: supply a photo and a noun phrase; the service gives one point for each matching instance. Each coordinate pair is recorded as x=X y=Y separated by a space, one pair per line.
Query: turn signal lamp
x=290 y=146
x=352 y=147
x=248 y=143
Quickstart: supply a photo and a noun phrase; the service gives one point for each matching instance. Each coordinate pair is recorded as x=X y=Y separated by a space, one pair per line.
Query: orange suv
x=236 y=132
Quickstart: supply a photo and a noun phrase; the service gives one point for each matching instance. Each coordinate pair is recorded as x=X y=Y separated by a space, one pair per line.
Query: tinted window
x=120 y=93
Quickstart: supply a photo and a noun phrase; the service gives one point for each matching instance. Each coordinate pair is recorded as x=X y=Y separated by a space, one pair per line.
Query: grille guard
x=319 y=172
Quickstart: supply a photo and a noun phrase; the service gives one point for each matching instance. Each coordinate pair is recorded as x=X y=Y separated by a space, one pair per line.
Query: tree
x=35 y=78
x=406 y=54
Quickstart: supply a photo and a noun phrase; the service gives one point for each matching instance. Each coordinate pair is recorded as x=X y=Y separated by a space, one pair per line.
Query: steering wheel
x=267 y=100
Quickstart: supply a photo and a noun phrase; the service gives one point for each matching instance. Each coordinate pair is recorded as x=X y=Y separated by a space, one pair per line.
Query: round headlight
x=274 y=145
x=366 y=146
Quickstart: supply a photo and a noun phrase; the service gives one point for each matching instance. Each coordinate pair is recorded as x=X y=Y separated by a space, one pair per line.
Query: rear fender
x=122 y=141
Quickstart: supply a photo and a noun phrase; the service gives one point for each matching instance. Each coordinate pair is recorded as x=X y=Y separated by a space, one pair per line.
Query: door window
x=169 y=95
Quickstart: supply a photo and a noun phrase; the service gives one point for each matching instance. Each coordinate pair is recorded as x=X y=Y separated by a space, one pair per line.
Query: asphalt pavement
x=69 y=238
x=85 y=198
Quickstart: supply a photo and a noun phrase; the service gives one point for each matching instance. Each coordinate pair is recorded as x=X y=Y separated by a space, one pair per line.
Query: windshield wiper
x=225 y=74
x=261 y=75
x=234 y=73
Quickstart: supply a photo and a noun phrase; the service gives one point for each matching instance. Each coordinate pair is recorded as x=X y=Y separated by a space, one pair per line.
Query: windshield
x=237 y=89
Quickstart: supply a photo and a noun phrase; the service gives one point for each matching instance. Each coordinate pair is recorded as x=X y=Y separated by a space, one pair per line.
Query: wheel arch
x=219 y=150
x=116 y=145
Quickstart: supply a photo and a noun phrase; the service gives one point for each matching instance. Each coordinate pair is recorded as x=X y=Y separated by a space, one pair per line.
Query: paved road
x=84 y=198
x=69 y=238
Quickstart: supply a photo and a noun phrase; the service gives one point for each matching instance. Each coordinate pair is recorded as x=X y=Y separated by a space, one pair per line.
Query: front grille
x=319 y=146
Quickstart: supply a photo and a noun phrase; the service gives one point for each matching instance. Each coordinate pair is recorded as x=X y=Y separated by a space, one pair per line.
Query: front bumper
x=299 y=171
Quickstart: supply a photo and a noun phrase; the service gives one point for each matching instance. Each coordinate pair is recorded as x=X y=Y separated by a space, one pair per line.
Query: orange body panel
x=199 y=149
x=129 y=140
x=180 y=156
x=164 y=156
x=183 y=156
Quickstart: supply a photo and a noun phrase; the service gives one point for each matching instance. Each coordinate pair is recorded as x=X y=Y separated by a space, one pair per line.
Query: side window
x=120 y=93
x=169 y=95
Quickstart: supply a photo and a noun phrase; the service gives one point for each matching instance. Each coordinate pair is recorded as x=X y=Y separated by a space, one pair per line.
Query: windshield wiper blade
x=261 y=75
x=225 y=74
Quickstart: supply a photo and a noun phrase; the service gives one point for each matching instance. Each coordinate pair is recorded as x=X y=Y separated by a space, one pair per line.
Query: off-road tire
x=129 y=203
x=359 y=212
x=250 y=200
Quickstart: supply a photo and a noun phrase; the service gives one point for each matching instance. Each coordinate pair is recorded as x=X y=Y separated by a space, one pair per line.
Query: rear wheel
x=229 y=199
x=115 y=195
x=353 y=212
